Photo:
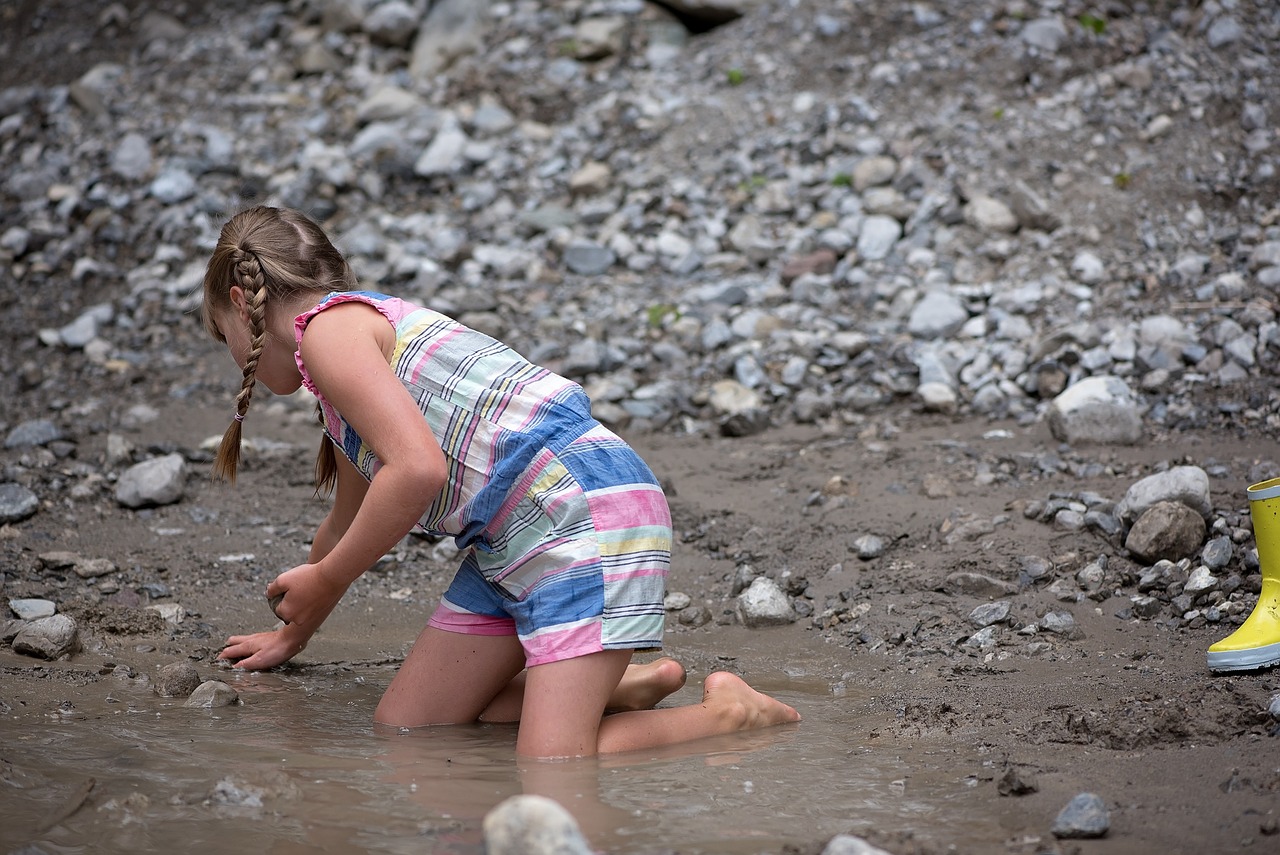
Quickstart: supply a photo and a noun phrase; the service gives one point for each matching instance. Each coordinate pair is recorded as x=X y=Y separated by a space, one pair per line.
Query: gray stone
x=48 y=638
x=763 y=604
x=848 y=844
x=1085 y=816
x=17 y=503
x=990 y=613
x=1047 y=34
x=1096 y=410
x=588 y=258
x=33 y=432
x=964 y=582
x=532 y=825
x=1188 y=485
x=158 y=481
x=32 y=609
x=878 y=236
x=938 y=314
x=212 y=693
x=1061 y=623
x=392 y=23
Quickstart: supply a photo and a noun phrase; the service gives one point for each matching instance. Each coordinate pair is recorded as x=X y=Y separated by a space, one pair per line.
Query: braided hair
x=275 y=255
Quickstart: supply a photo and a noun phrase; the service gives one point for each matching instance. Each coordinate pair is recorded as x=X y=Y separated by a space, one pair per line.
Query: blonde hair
x=275 y=255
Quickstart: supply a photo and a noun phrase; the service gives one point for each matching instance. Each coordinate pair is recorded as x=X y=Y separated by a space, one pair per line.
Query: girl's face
x=277 y=369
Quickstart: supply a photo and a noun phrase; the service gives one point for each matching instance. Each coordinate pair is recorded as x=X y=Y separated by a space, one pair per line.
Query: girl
x=565 y=532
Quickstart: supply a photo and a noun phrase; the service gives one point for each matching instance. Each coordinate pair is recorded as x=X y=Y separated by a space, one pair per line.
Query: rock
x=765 y=604
x=868 y=546
x=588 y=258
x=159 y=481
x=1188 y=485
x=967 y=583
x=176 y=680
x=848 y=844
x=1096 y=410
x=532 y=825
x=48 y=637
x=988 y=614
x=990 y=215
x=1047 y=34
x=451 y=29
x=32 y=609
x=17 y=503
x=878 y=236
x=1061 y=623
x=210 y=694
x=391 y=23
x=1016 y=782
x=1166 y=530
x=1085 y=816
x=32 y=433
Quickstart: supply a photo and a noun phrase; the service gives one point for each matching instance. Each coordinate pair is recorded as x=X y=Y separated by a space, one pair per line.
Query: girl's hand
x=264 y=650
x=306 y=595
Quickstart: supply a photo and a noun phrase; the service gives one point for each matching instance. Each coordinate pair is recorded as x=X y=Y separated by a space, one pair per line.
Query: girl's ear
x=237 y=300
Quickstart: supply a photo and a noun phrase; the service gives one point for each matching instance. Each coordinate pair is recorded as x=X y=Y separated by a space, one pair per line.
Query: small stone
x=32 y=609
x=1085 y=816
x=177 y=680
x=17 y=503
x=1016 y=782
x=212 y=693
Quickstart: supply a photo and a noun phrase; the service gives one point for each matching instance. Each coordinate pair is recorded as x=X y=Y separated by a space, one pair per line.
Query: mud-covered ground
x=1124 y=708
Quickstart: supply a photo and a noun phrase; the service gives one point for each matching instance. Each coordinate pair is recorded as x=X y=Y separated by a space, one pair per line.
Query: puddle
x=298 y=767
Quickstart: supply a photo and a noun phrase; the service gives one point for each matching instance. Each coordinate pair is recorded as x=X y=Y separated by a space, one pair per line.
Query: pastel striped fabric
x=558 y=512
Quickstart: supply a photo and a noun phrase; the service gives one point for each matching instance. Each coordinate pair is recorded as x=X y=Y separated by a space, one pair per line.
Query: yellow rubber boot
x=1256 y=644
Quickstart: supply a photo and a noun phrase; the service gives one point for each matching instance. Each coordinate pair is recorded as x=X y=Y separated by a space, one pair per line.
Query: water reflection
x=299 y=768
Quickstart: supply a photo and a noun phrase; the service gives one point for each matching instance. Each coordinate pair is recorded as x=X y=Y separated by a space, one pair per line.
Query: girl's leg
x=564 y=703
x=728 y=705
x=449 y=678
x=642 y=686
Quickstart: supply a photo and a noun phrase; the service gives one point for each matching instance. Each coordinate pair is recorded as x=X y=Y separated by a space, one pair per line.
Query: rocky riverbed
x=950 y=327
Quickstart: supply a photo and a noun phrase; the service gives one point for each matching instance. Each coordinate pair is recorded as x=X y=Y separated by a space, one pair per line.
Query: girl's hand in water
x=264 y=650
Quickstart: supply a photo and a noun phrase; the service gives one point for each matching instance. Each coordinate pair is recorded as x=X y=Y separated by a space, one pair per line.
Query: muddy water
x=298 y=767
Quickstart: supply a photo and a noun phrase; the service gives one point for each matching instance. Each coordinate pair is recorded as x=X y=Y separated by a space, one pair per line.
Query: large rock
x=159 y=481
x=1186 y=484
x=1168 y=530
x=1098 y=409
x=532 y=825
x=49 y=637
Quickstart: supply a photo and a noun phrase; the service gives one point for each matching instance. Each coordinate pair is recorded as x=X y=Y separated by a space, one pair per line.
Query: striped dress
x=565 y=531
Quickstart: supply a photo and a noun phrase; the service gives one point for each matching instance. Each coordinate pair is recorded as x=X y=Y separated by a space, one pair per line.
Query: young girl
x=565 y=532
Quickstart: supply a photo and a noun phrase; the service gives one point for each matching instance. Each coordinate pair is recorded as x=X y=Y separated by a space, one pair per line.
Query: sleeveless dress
x=565 y=532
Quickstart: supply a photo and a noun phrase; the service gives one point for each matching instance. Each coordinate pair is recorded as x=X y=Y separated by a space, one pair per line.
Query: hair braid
x=249 y=275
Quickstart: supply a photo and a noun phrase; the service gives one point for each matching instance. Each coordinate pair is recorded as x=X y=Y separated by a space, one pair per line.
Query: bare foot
x=743 y=705
x=643 y=685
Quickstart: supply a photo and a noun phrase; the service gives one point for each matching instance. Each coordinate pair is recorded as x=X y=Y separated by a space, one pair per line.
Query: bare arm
x=346 y=350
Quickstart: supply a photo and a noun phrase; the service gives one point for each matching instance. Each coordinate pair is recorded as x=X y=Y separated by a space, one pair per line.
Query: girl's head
x=267 y=260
